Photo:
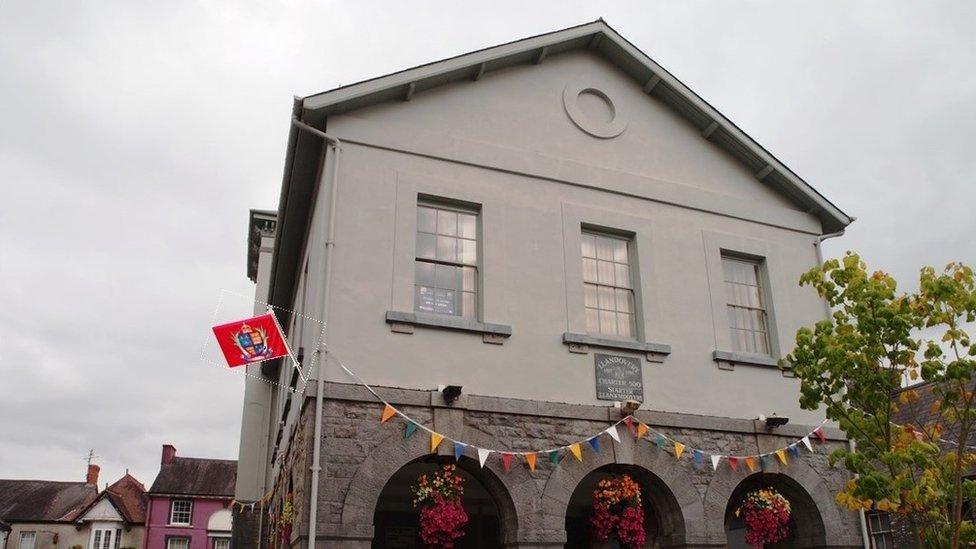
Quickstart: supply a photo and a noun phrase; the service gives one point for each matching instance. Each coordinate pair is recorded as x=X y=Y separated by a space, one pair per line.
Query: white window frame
x=24 y=537
x=649 y=320
x=221 y=541
x=617 y=289
x=413 y=187
x=776 y=280
x=170 y=540
x=758 y=267
x=105 y=536
x=471 y=310
x=172 y=512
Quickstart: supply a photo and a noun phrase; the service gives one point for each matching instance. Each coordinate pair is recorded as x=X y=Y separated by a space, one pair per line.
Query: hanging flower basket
x=767 y=516
x=442 y=516
x=617 y=510
x=286 y=519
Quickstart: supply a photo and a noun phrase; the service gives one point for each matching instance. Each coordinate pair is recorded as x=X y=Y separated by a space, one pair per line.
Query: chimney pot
x=169 y=452
x=92 y=476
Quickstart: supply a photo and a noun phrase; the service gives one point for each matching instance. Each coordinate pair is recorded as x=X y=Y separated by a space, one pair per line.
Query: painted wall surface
x=505 y=142
x=158 y=528
x=68 y=535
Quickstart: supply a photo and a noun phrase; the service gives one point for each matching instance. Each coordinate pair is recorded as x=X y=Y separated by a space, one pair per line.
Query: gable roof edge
x=598 y=36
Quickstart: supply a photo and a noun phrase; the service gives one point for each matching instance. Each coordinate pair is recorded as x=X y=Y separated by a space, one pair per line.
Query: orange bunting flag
x=388 y=412
x=641 y=430
x=781 y=455
x=751 y=464
x=435 y=441
x=577 y=452
x=530 y=459
x=678 y=448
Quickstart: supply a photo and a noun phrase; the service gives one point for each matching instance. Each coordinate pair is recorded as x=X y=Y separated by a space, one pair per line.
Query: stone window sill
x=581 y=343
x=403 y=322
x=728 y=359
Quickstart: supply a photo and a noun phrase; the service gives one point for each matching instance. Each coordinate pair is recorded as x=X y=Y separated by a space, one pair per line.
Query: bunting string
x=638 y=429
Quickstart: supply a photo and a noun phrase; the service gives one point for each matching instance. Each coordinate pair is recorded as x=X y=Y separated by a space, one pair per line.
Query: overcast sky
x=134 y=137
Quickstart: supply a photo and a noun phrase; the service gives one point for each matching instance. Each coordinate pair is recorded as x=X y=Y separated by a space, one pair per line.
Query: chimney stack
x=169 y=452
x=92 y=477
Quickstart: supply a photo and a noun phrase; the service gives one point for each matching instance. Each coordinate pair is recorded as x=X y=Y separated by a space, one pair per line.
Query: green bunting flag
x=553 y=456
x=409 y=429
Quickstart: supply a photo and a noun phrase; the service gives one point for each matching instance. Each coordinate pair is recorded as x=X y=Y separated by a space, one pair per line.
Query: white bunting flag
x=715 y=460
x=806 y=442
x=612 y=431
x=483 y=455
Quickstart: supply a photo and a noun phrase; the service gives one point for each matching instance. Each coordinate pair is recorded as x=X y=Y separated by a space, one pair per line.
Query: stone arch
x=804 y=483
x=511 y=491
x=686 y=512
x=808 y=528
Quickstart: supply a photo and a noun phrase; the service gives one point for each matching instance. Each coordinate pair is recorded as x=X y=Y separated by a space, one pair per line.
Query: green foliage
x=852 y=366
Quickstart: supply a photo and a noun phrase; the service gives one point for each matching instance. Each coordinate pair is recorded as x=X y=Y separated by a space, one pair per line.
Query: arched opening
x=662 y=515
x=806 y=525
x=491 y=513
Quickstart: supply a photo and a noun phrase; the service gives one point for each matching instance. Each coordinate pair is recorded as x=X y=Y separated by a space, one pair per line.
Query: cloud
x=134 y=137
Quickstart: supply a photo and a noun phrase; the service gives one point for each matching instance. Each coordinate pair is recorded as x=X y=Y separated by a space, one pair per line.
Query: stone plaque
x=618 y=378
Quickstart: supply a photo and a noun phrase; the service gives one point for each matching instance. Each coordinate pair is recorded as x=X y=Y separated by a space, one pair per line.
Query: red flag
x=734 y=463
x=820 y=434
x=251 y=341
x=507 y=461
x=629 y=422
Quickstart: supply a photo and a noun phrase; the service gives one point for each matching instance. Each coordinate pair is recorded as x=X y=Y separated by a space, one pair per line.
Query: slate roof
x=43 y=500
x=920 y=412
x=196 y=477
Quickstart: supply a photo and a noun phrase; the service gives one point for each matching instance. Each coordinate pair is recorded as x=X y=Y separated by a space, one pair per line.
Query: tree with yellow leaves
x=912 y=454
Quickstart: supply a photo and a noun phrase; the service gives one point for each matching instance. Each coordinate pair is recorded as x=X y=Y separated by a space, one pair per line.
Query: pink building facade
x=189 y=503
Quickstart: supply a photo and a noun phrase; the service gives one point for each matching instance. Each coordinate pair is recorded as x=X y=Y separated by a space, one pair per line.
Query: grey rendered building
x=496 y=221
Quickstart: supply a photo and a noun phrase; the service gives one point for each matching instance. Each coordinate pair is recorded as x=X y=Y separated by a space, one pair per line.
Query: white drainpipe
x=326 y=265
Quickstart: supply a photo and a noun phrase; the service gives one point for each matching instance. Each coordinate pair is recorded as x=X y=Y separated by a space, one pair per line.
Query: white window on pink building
x=178 y=543
x=181 y=512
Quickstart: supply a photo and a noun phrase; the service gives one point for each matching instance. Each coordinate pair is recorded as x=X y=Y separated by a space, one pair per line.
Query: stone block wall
x=360 y=454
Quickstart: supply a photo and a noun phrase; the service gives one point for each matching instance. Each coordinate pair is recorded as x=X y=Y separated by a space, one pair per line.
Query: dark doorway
x=806 y=525
x=396 y=521
x=662 y=515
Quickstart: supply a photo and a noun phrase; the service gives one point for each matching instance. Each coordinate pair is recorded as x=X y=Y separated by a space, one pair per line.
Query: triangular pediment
x=661 y=90
x=101 y=510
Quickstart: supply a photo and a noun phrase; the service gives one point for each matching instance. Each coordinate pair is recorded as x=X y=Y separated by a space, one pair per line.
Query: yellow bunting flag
x=781 y=455
x=678 y=448
x=388 y=412
x=641 y=430
x=751 y=464
x=530 y=459
x=575 y=449
x=435 y=440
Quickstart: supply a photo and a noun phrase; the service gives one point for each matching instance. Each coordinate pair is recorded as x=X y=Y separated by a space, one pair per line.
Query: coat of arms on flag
x=250 y=341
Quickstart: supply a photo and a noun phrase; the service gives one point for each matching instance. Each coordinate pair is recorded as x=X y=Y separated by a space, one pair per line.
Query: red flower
x=442 y=523
x=617 y=507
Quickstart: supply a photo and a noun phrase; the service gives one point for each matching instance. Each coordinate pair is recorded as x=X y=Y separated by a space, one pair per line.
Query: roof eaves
x=681 y=97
